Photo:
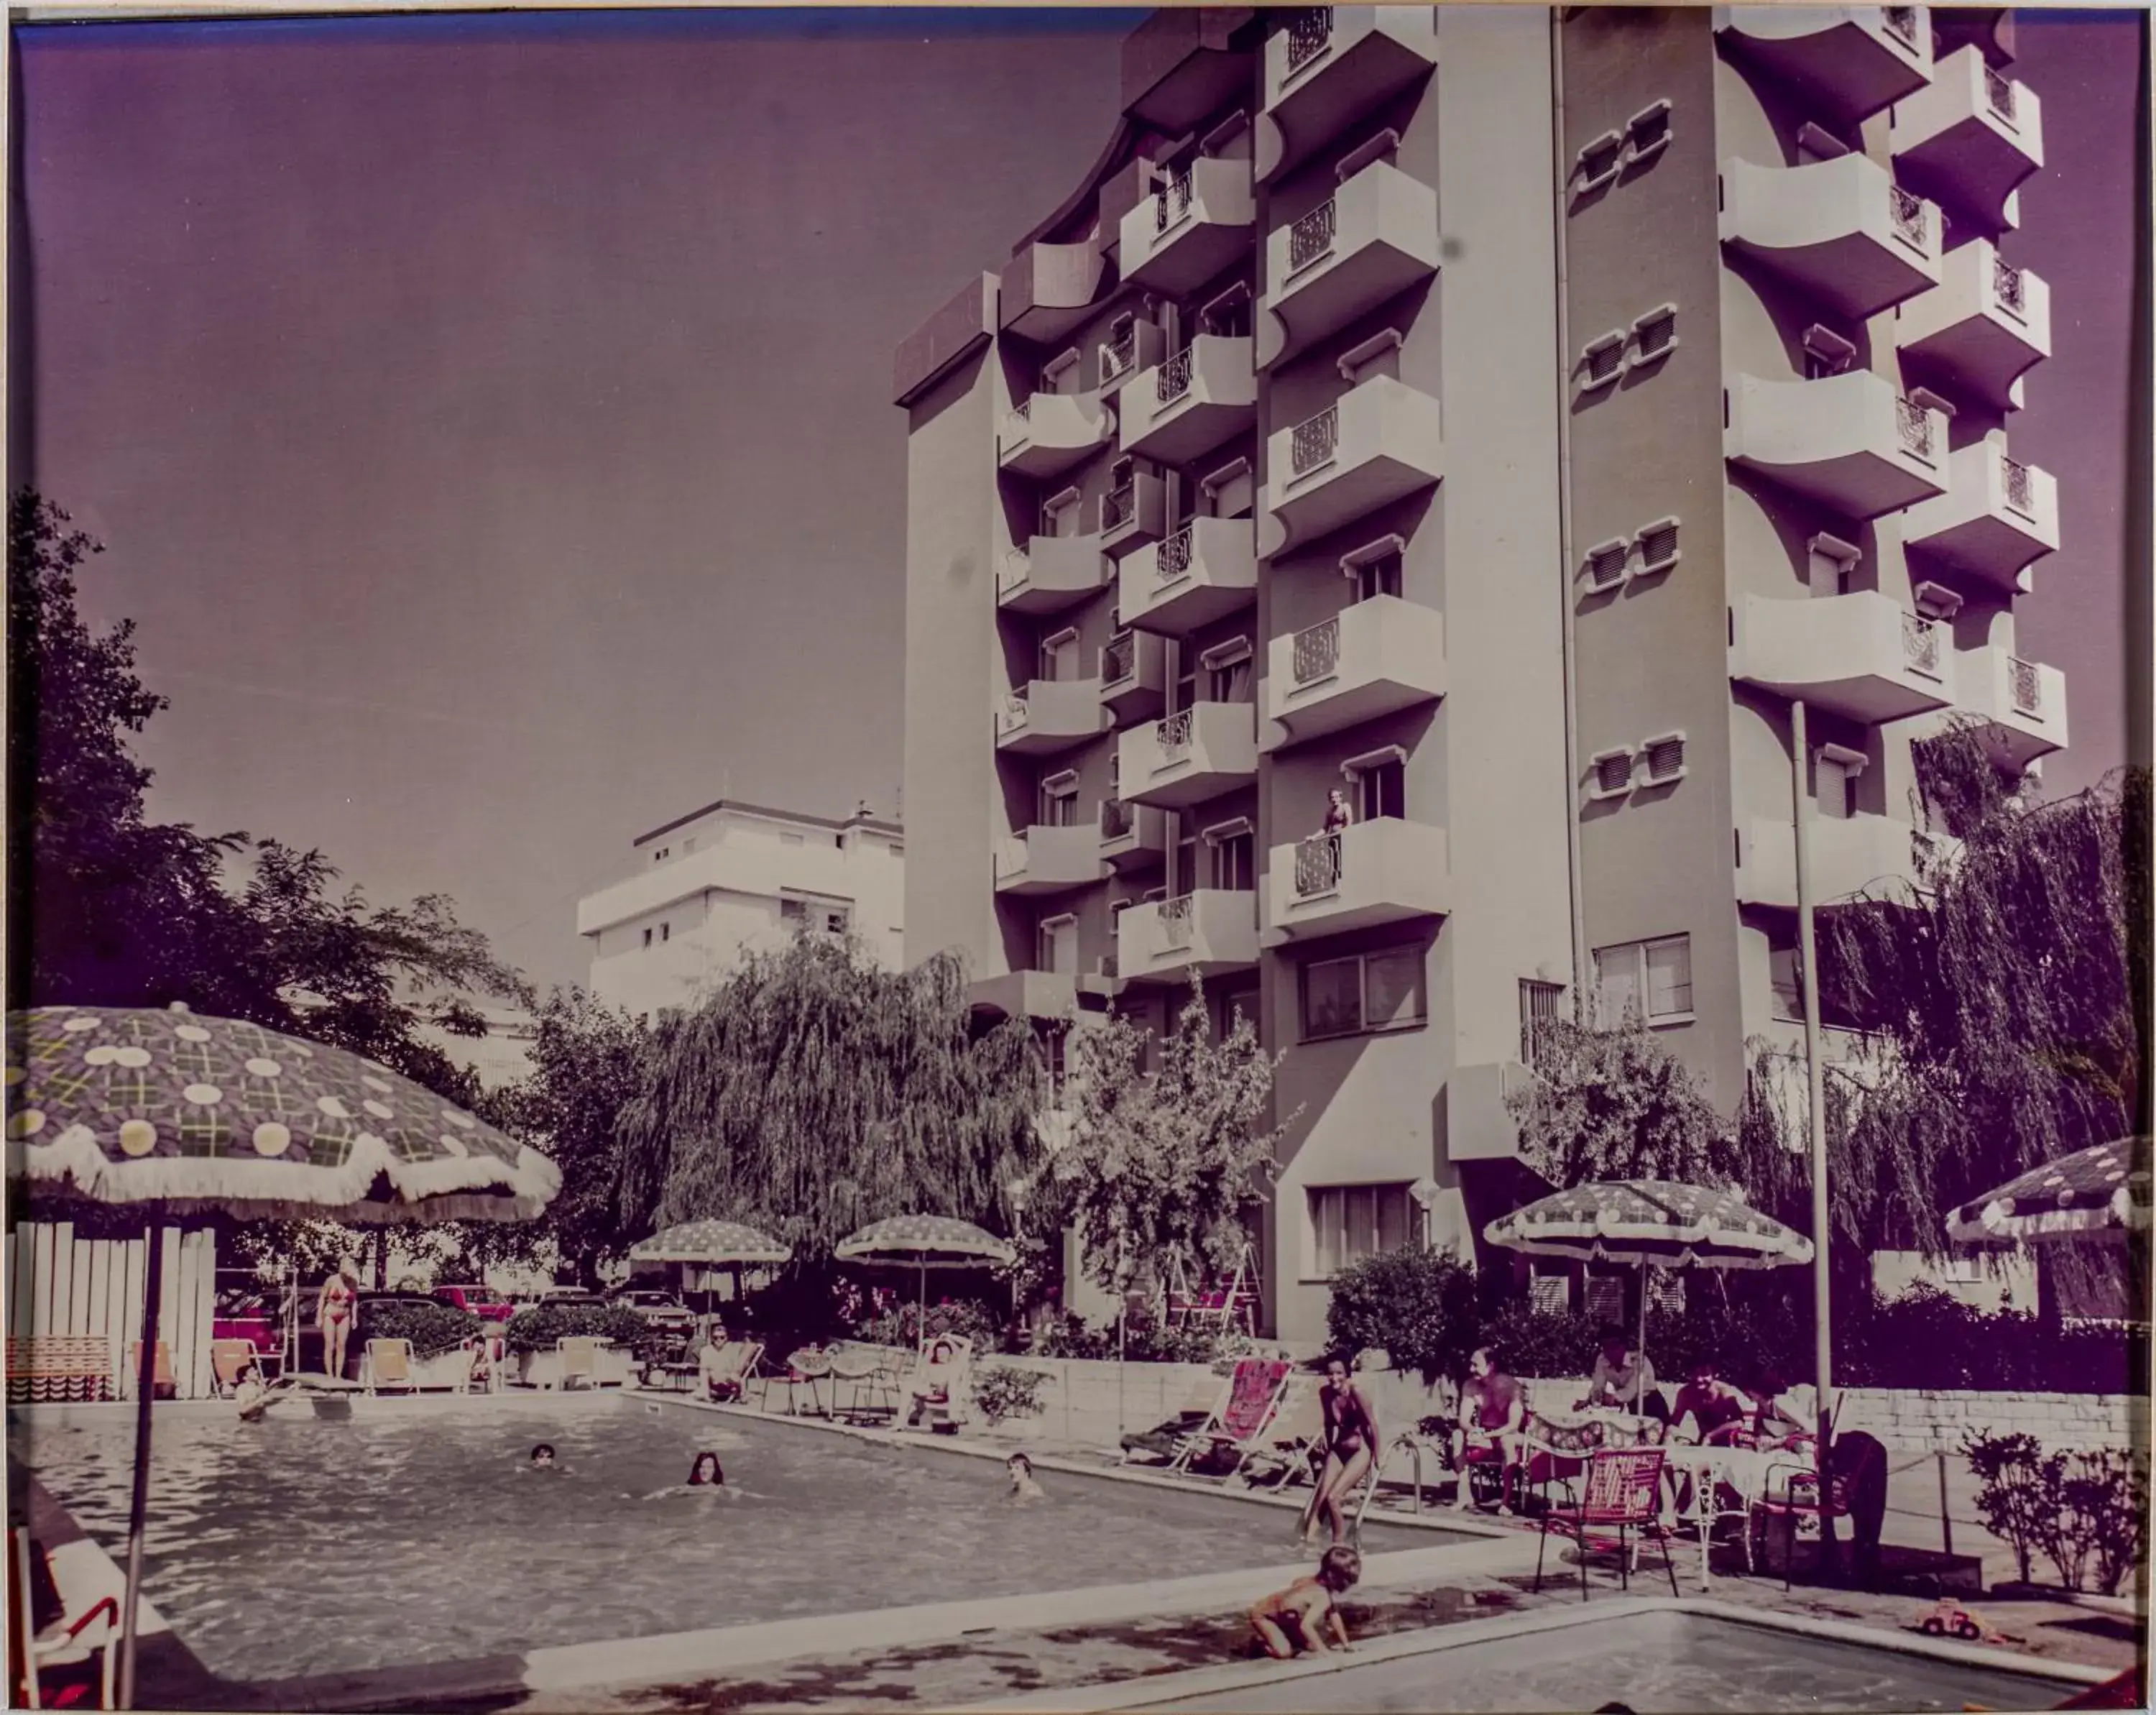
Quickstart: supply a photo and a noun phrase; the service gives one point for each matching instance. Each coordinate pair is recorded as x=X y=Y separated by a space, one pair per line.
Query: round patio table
x=1748 y=1473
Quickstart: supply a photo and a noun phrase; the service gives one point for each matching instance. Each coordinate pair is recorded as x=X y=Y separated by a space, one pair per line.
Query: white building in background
x=731 y=878
x=502 y=1056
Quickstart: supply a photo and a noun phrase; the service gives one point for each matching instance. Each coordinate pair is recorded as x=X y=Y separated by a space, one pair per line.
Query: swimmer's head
x=1020 y=1465
x=706 y=1472
x=1340 y=1568
x=542 y=1456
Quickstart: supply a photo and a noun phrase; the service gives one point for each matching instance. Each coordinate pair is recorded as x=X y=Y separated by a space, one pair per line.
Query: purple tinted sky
x=489 y=423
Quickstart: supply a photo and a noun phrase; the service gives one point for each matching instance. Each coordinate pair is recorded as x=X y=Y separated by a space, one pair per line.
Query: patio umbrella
x=2099 y=1194
x=1664 y=1223
x=712 y=1244
x=178 y=1113
x=923 y=1242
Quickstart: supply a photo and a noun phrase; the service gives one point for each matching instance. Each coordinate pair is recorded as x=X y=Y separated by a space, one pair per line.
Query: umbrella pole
x=921 y=1325
x=146 y=1386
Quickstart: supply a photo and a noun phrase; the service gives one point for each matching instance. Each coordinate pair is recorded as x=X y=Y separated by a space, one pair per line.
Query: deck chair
x=580 y=1361
x=724 y=1374
x=1293 y=1445
x=386 y=1364
x=1207 y=1399
x=1623 y=1494
x=46 y=1637
x=163 y=1387
x=866 y=1373
x=1254 y=1395
x=226 y=1359
x=936 y=1394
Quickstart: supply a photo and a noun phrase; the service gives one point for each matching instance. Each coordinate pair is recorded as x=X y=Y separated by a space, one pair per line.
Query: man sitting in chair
x=1493 y=1413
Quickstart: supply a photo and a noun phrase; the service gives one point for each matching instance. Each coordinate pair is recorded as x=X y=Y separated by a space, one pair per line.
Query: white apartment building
x=732 y=878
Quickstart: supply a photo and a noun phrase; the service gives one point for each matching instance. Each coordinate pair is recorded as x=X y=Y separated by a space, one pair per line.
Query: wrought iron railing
x=1016 y=568
x=1172 y=381
x=1172 y=201
x=1907 y=214
x=1013 y=712
x=1308 y=32
x=1902 y=22
x=1118 y=506
x=1172 y=736
x=2028 y=685
x=2000 y=94
x=1317 y=652
x=1311 y=236
x=2019 y=492
x=1176 y=927
x=1118 y=819
x=1119 y=658
x=2006 y=286
x=1317 y=864
x=1110 y=965
x=1314 y=440
x=1920 y=644
x=1913 y=423
x=1173 y=560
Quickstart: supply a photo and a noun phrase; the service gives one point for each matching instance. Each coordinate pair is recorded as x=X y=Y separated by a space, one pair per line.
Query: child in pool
x=543 y=1459
x=1023 y=1487
x=1295 y=1618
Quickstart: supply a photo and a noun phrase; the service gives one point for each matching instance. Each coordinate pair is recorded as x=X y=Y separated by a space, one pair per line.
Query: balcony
x=1133 y=836
x=1330 y=65
x=1373 y=873
x=1382 y=442
x=1996 y=516
x=1047 y=716
x=1987 y=324
x=1841 y=231
x=1198 y=753
x=1206 y=570
x=1367 y=242
x=1375 y=658
x=1133 y=514
x=1850 y=855
x=1134 y=346
x=1861 y=655
x=1856 y=59
x=1969 y=138
x=1051 y=574
x=1206 y=933
x=1133 y=677
x=1045 y=995
x=1193 y=401
x=1047 y=435
x=1189 y=229
x=1849 y=442
x=1048 y=288
x=1177 y=66
x=2026 y=701
x=1049 y=860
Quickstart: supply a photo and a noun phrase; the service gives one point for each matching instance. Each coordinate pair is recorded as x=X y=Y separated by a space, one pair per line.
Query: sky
x=489 y=419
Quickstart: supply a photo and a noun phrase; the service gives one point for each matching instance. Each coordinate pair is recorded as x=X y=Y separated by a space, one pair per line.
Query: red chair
x=1624 y=1491
x=1800 y=1499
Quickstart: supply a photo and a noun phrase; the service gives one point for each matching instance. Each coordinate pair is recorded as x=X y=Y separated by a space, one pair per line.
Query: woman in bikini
x=1351 y=1441
x=333 y=1314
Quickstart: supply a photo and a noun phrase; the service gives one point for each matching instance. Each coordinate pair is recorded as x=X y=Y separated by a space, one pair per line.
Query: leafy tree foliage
x=813 y=1093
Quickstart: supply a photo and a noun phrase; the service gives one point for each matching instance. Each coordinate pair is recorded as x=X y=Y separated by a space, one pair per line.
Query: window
x=665 y=931
x=1605 y=1298
x=1655 y=335
x=1665 y=758
x=1537 y=1011
x=1648 y=979
x=647 y=937
x=1058 y=656
x=1059 y=375
x=1658 y=547
x=1228 y=673
x=1368 y=991
x=792 y=911
x=1377 y=578
x=1549 y=1292
x=660 y=856
x=1351 y=1223
x=834 y=923
x=1230 y=492
x=1381 y=790
x=1605 y=564
x=1228 y=1010
x=1059 y=801
x=1613 y=773
x=1234 y=857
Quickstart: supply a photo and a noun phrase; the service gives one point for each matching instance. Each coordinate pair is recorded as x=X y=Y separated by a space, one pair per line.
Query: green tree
x=1159 y=1164
x=813 y=1093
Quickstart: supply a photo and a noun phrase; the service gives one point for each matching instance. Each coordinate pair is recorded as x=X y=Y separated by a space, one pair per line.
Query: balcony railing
x=2028 y=685
x=1307 y=34
x=1117 y=506
x=1119 y=353
x=1902 y=23
x=2000 y=94
x=1317 y=652
x=1316 y=440
x=1172 y=378
x=1172 y=559
x=1022 y=408
x=1317 y=865
x=1016 y=568
x=1118 y=819
x=1913 y=423
x=1172 y=736
x=1119 y=658
x=1172 y=201
x=2020 y=493
x=1110 y=965
x=2006 y=286
x=1311 y=237
x=1014 y=713
x=1175 y=920
x=1907 y=213
x=1920 y=644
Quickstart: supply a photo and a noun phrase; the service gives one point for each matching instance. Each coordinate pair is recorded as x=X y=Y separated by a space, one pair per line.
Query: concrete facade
x=1458 y=408
x=734 y=878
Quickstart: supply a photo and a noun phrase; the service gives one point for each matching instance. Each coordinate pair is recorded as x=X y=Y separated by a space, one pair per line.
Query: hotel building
x=1505 y=420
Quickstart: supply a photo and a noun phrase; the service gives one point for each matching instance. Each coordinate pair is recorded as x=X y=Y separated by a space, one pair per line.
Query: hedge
x=432 y=1328
x=538 y=1328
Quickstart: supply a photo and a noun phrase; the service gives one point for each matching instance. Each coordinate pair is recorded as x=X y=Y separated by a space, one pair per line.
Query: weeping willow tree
x=813 y=1093
x=2006 y=997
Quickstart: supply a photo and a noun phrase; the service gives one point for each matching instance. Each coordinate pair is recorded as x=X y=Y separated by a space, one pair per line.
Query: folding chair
x=1624 y=1491
x=67 y=1641
x=1207 y=1398
x=388 y=1363
x=580 y=1361
x=1254 y=1396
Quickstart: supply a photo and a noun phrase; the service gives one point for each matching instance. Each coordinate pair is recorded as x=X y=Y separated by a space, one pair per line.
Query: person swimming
x=542 y=1458
x=1023 y=1487
x=705 y=1471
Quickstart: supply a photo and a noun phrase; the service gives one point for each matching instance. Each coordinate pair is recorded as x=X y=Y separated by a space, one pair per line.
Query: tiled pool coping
x=1153 y=1691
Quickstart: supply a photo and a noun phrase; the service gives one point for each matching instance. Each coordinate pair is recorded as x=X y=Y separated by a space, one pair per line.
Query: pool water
x=1654 y=1663
x=306 y=1545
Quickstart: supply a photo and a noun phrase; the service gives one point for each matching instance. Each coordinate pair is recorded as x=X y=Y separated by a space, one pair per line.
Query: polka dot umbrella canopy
x=923 y=1242
x=710 y=1241
x=2099 y=1193
x=1663 y=1222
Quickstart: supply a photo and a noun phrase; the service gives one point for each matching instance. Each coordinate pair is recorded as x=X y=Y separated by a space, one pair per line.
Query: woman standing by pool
x=333 y=1314
x=1351 y=1441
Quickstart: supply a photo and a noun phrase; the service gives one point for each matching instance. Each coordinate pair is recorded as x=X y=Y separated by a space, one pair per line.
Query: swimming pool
x=304 y=1546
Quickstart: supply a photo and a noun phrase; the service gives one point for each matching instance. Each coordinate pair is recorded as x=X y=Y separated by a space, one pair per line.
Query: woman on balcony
x=1338 y=815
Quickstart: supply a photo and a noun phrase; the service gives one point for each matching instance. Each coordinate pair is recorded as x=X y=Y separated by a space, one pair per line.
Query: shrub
x=432 y=1328
x=1527 y=1341
x=537 y=1329
x=1418 y=1305
x=900 y=1325
x=1926 y=1339
x=1065 y=1336
x=2099 y=1512
x=2019 y=1487
x=1002 y=1391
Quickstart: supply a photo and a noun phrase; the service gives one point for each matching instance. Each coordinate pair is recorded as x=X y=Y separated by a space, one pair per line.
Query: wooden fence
x=60 y=1287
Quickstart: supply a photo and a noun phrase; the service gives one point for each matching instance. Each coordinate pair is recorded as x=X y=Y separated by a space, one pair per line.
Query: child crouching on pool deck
x=1295 y=1618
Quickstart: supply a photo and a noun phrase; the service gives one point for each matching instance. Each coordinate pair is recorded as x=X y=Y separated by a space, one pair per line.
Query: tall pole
x=138 y=1508
x=1814 y=1104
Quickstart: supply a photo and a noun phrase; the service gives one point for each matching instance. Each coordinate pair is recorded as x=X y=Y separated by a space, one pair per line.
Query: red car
x=482 y=1301
x=251 y=1316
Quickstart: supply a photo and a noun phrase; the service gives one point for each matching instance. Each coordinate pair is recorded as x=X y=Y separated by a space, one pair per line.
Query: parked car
x=662 y=1313
x=573 y=1298
x=482 y=1301
x=240 y=1314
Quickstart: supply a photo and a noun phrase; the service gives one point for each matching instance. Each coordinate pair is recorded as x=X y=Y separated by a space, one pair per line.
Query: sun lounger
x=936 y=1394
x=163 y=1387
x=63 y=1641
x=386 y=1364
x=579 y=1362
x=1207 y=1399
x=1293 y=1445
x=226 y=1359
x=42 y=1367
x=1254 y=1395
x=722 y=1372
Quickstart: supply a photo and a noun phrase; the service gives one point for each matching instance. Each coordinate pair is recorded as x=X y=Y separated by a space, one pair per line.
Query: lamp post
x=1814 y=1104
